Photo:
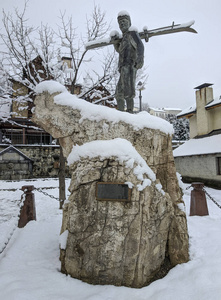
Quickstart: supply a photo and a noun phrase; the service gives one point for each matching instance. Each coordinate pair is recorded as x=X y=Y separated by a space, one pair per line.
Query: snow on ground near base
x=30 y=266
x=9 y=211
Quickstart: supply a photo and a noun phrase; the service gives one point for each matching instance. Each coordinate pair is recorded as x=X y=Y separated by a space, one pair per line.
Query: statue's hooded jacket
x=131 y=57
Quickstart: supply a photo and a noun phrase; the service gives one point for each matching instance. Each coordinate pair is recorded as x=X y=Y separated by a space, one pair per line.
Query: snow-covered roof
x=215 y=102
x=165 y=109
x=172 y=108
x=206 y=145
x=192 y=109
x=157 y=109
x=13 y=149
x=188 y=111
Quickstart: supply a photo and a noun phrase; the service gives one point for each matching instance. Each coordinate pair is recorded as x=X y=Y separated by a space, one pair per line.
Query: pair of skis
x=145 y=34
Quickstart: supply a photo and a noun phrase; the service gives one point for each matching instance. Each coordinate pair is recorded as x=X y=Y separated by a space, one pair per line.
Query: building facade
x=32 y=146
x=164 y=112
x=199 y=159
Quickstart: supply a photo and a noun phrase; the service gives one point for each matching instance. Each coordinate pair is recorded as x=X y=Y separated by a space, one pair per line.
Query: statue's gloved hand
x=139 y=64
x=114 y=38
x=114 y=35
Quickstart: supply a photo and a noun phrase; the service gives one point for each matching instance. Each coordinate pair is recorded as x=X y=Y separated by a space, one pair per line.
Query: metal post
x=140 y=97
x=28 y=212
x=23 y=136
x=198 y=204
x=140 y=87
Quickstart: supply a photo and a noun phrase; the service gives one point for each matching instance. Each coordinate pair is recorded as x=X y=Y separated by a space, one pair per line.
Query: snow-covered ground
x=30 y=267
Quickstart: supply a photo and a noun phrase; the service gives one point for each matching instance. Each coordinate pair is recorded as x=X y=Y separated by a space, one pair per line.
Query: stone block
x=112 y=242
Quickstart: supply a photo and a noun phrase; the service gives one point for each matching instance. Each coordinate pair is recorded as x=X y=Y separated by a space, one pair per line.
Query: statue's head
x=124 y=21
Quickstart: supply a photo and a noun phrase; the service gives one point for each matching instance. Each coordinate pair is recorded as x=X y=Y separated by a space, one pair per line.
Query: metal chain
x=20 y=206
x=10 y=190
x=211 y=198
x=188 y=187
x=13 y=230
x=46 y=194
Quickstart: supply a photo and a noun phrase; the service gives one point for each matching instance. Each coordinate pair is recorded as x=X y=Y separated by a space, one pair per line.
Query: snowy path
x=29 y=267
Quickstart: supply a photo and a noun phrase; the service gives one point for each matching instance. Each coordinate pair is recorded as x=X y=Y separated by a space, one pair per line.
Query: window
x=218 y=165
x=15 y=136
x=38 y=138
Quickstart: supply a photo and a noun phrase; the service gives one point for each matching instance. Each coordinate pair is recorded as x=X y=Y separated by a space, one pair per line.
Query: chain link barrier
x=208 y=195
x=21 y=202
x=57 y=199
x=46 y=194
x=188 y=187
x=211 y=198
x=9 y=190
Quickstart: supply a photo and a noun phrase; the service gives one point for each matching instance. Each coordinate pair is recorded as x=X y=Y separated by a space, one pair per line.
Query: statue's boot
x=120 y=104
x=130 y=105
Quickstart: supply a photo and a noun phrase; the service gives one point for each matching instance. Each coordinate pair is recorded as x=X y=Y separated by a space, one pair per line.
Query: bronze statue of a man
x=131 y=57
x=131 y=54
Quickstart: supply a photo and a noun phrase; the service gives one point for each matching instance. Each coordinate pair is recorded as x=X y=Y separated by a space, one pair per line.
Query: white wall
x=216 y=117
x=203 y=97
x=198 y=166
x=193 y=126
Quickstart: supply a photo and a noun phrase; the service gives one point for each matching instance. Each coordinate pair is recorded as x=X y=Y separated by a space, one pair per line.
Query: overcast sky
x=176 y=63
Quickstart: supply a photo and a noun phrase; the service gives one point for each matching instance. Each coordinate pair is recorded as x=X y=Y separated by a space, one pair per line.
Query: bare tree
x=107 y=76
x=142 y=76
x=74 y=45
x=22 y=60
x=145 y=107
x=29 y=55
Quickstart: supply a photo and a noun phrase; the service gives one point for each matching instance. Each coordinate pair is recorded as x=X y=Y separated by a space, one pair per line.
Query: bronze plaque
x=109 y=191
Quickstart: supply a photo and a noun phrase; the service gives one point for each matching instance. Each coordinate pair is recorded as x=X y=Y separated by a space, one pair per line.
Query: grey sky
x=175 y=63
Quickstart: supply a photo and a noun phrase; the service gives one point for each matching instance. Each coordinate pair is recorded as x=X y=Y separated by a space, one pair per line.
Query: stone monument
x=124 y=222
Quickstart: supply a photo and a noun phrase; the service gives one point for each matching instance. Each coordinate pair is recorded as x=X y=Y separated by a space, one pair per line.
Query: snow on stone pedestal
x=129 y=243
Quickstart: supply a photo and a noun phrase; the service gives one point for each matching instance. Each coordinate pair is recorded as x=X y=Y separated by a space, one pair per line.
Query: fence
x=28 y=194
x=26 y=210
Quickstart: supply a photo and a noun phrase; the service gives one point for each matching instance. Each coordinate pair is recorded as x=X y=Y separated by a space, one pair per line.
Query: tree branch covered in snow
x=108 y=78
x=74 y=45
x=97 y=27
x=27 y=53
x=30 y=55
x=180 y=126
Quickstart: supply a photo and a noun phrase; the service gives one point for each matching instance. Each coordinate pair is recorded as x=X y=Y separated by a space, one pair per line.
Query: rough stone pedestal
x=127 y=243
x=114 y=242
